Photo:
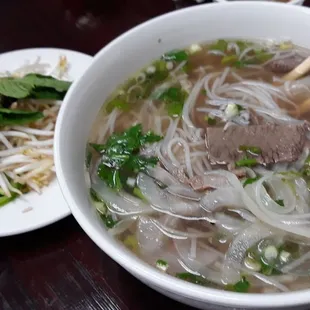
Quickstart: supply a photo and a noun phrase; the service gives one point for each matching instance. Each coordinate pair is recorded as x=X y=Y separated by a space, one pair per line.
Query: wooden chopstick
x=299 y=71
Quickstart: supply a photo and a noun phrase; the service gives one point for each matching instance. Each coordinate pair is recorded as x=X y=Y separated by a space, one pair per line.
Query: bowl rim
x=125 y=258
x=297 y=2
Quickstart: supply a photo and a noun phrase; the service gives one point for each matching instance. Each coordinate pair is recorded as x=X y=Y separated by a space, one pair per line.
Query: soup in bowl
x=183 y=152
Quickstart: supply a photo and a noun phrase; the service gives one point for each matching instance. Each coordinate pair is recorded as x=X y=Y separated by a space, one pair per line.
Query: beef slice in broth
x=284 y=65
x=278 y=143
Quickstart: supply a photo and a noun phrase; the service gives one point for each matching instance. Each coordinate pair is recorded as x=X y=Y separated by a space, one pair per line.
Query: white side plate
x=33 y=211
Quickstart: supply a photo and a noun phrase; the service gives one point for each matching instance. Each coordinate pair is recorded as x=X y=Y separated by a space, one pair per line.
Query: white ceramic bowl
x=296 y=2
x=117 y=61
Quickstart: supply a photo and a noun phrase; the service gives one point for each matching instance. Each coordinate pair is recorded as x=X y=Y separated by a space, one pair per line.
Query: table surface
x=59 y=267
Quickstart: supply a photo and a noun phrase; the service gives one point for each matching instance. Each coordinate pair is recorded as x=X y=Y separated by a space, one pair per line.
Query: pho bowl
x=111 y=67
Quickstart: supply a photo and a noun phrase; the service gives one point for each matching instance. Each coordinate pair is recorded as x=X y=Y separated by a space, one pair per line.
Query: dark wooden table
x=59 y=267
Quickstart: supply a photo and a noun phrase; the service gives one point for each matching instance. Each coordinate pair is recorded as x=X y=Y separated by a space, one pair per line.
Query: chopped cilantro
x=121 y=158
x=280 y=202
x=108 y=220
x=162 y=265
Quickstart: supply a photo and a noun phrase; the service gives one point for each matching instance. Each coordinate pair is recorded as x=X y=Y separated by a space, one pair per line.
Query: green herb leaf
x=39 y=80
x=161 y=262
x=18 y=117
x=246 y=162
x=280 y=202
x=229 y=60
x=108 y=220
x=266 y=268
x=46 y=93
x=131 y=243
x=110 y=175
x=252 y=149
x=241 y=286
x=5 y=200
x=32 y=86
x=117 y=103
x=211 y=120
x=176 y=56
x=250 y=181
x=120 y=156
x=240 y=107
x=174 y=98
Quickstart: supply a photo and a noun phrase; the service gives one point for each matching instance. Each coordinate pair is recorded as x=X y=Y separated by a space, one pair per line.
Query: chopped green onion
x=246 y=162
x=162 y=265
x=266 y=269
x=211 y=120
x=243 y=45
x=240 y=107
x=252 y=149
x=285 y=256
x=174 y=97
x=176 y=56
x=220 y=45
x=252 y=264
x=285 y=45
x=280 y=202
x=241 y=286
x=229 y=60
x=261 y=56
x=117 y=103
x=231 y=110
x=137 y=193
x=186 y=68
x=271 y=253
x=131 y=243
x=250 y=181
x=306 y=167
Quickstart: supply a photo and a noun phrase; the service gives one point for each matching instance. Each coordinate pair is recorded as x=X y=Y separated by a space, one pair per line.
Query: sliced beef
x=256 y=119
x=278 y=143
x=209 y=181
x=180 y=175
x=284 y=65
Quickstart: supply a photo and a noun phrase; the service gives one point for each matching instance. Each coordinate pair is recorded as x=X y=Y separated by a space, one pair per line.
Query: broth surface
x=199 y=165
